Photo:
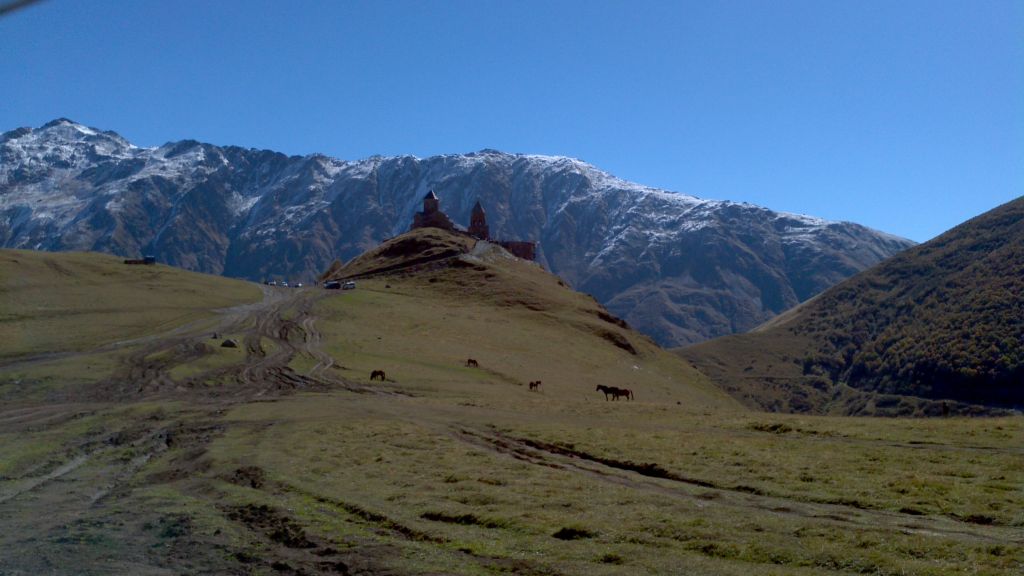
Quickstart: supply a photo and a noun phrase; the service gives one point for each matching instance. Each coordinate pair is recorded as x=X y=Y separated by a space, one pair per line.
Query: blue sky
x=906 y=116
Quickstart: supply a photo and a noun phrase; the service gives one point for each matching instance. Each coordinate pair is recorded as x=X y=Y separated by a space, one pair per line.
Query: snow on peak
x=62 y=149
x=69 y=130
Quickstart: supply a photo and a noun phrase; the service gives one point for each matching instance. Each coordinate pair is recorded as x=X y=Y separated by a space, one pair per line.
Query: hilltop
x=414 y=248
x=677 y=267
x=943 y=321
x=466 y=298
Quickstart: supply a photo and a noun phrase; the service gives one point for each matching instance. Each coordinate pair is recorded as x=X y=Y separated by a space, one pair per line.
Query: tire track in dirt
x=144 y=373
x=92 y=495
x=299 y=335
x=288 y=543
x=650 y=477
x=95 y=448
x=272 y=332
x=84 y=477
x=269 y=373
x=31 y=483
x=324 y=361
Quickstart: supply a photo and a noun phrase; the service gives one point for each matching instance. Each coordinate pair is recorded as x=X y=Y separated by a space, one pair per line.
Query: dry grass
x=438 y=478
x=449 y=469
x=519 y=322
x=79 y=301
x=423 y=340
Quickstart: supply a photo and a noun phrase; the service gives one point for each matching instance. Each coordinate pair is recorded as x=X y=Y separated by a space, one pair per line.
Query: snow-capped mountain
x=677 y=267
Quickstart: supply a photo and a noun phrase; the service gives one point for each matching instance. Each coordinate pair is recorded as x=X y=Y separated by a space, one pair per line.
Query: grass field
x=70 y=302
x=646 y=489
x=282 y=456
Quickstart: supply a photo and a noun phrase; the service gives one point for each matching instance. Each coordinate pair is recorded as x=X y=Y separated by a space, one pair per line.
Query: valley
x=148 y=448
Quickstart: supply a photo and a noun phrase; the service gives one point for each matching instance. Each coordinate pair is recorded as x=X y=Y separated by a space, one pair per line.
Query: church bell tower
x=478 y=223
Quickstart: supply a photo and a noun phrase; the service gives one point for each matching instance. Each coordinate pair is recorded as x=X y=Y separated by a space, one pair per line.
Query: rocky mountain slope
x=679 y=268
x=941 y=321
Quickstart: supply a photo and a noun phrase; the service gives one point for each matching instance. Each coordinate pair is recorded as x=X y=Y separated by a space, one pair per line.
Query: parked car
x=350 y=285
x=298 y=284
x=332 y=285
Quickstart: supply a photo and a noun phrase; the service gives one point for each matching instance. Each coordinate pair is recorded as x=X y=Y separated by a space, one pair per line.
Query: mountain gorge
x=679 y=268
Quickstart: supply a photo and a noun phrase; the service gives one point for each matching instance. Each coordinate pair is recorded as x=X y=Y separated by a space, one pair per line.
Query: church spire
x=478 y=223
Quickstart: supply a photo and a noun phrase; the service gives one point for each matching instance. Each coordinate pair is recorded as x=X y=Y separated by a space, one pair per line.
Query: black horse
x=614 y=392
x=377 y=374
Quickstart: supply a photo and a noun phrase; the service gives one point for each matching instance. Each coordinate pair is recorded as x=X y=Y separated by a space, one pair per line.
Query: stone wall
x=524 y=250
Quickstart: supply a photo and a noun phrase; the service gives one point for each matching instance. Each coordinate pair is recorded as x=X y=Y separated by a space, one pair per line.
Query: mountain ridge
x=940 y=324
x=680 y=268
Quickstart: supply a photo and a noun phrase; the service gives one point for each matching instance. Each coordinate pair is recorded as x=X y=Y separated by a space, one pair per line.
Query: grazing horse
x=535 y=385
x=377 y=374
x=472 y=363
x=614 y=392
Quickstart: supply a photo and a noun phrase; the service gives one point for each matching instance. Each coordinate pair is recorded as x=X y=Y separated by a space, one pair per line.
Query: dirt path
x=271 y=333
x=283 y=320
x=85 y=482
x=314 y=340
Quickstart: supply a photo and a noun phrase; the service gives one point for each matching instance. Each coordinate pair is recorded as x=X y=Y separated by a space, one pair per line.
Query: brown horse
x=472 y=363
x=535 y=385
x=614 y=392
x=377 y=374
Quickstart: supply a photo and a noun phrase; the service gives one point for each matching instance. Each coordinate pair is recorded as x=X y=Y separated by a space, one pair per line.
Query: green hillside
x=170 y=454
x=431 y=300
x=75 y=301
x=941 y=321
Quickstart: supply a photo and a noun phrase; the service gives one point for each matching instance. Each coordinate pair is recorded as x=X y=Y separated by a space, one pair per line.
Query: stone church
x=433 y=217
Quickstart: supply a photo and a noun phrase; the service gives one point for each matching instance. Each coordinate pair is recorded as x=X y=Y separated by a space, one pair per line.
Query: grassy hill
x=75 y=301
x=409 y=250
x=430 y=300
x=941 y=321
x=282 y=456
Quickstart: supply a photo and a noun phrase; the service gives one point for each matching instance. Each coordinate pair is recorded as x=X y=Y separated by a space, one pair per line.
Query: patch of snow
x=84 y=129
x=240 y=204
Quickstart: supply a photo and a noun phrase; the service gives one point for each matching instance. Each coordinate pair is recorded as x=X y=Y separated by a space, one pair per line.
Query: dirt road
x=86 y=486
